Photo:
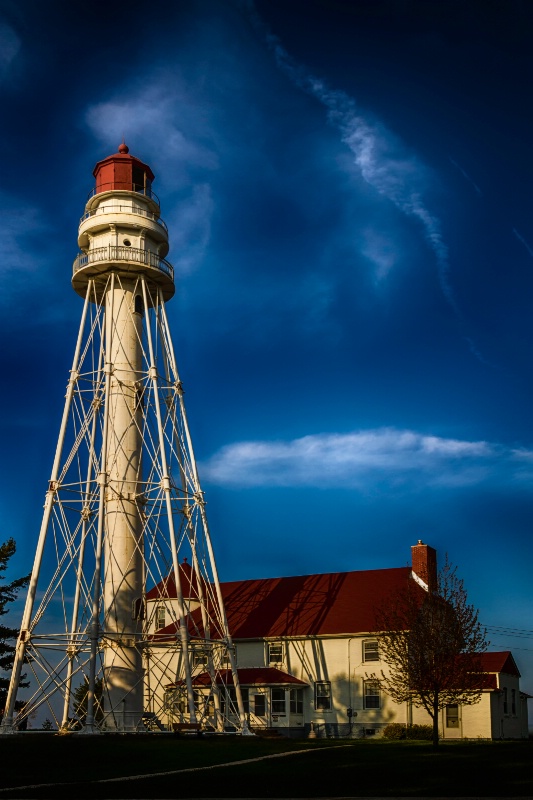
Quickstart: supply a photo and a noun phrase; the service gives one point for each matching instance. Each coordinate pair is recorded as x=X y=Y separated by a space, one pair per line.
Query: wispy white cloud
x=163 y=120
x=363 y=460
x=381 y=159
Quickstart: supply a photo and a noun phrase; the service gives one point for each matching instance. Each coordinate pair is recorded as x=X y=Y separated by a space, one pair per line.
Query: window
x=245 y=699
x=139 y=305
x=505 y=706
x=199 y=658
x=175 y=701
x=278 y=701
x=228 y=700
x=297 y=701
x=209 y=705
x=160 y=617
x=371 y=650
x=322 y=695
x=259 y=705
x=372 y=697
x=275 y=652
x=138 y=609
x=513 y=702
x=452 y=716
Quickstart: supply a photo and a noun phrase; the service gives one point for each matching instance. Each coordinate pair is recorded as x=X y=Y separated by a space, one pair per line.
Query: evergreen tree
x=80 y=698
x=8 y=636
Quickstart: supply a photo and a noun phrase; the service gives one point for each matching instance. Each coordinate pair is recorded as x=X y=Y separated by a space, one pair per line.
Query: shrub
x=424 y=732
x=396 y=731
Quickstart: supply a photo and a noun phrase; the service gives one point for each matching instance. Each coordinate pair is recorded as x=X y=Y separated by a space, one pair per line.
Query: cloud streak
x=523 y=241
x=466 y=176
x=364 y=460
x=382 y=160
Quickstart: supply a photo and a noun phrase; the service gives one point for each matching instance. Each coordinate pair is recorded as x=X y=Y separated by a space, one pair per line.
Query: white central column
x=123 y=582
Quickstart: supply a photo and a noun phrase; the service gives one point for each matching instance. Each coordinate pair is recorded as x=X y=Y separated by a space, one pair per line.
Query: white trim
x=419 y=580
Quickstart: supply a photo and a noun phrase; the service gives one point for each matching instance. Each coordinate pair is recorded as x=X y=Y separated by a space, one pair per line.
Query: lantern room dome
x=123 y=172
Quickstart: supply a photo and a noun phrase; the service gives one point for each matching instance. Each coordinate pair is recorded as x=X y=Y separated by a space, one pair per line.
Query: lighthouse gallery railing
x=123 y=253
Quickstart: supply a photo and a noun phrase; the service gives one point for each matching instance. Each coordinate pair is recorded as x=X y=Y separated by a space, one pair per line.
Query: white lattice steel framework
x=124 y=512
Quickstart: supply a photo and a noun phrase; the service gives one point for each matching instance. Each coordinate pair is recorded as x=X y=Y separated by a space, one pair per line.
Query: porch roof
x=248 y=676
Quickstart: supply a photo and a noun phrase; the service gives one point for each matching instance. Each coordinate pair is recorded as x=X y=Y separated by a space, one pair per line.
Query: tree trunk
x=435 y=720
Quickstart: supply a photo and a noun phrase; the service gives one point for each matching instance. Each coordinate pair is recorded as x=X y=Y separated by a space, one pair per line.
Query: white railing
x=117 y=253
x=125 y=210
x=121 y=186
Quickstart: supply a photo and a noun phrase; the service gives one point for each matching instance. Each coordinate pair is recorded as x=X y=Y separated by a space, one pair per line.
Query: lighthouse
x=103 y=636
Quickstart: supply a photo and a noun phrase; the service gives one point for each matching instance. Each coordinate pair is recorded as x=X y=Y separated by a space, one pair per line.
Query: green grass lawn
x=362 y=768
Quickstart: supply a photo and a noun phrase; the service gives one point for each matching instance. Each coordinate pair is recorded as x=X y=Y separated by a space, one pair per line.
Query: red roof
x=500 y=662
x=248 y=676
x=309 y=605
x=167 y=587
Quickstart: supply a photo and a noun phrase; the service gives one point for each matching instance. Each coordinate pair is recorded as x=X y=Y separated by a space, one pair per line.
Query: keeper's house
x=306 y=654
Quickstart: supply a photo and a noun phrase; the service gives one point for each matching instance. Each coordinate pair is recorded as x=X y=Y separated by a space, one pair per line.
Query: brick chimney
x=424 y=565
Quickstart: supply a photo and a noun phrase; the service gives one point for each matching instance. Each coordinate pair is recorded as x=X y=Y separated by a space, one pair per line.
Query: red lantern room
x=122 y=171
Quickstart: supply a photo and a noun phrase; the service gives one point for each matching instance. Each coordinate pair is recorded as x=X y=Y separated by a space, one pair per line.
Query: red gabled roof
x=308 y=605
x=500 y=662
x=167 y=587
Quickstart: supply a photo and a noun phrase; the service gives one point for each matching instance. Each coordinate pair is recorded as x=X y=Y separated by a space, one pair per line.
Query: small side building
x=502 y=710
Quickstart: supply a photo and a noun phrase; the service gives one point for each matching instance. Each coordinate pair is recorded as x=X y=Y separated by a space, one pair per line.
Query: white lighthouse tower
x=102 y=637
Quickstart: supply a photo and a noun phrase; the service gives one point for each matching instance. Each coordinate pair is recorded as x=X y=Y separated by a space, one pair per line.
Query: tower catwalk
x=124 y=625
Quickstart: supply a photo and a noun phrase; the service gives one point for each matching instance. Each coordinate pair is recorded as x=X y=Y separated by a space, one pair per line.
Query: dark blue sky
x=349 y=193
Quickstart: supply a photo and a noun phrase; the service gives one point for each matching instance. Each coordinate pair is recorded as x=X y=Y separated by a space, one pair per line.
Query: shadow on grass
x=366 y=769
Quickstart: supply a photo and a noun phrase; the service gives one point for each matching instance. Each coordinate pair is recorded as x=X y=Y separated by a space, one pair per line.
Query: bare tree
x=431 y=642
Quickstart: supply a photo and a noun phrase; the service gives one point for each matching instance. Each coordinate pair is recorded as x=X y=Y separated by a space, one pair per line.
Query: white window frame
x=452 y=719
x=296 y=701
x=278 y=702
x=200 y=658
x=276 y=647
x=263 y=701
x=370 y=648
x=323 y=695
x=371 y=689
x=160 y=614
